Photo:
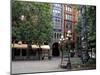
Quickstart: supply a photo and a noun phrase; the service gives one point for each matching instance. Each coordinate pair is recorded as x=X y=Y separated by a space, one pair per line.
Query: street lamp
x=62 y=38
x=22 y=17
x=61 y=42
x=65 y=63
x=69 y=38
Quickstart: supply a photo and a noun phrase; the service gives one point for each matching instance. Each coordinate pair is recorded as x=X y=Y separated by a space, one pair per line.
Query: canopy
x=45 y=47
x=35 y=46
x=23 y=46
x=20 y=46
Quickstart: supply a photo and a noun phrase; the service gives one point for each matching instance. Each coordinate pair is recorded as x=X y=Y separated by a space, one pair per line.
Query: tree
x=90 y=26
x=91 y=14
x=78 y=29
x=36 y=25
x=31 y=22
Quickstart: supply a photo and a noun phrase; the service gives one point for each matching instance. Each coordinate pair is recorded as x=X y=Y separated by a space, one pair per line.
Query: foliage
x=91 y=61
x=36 y=25
x=90 y=15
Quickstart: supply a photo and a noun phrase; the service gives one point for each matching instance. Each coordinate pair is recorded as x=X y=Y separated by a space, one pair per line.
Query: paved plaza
x=39 y=66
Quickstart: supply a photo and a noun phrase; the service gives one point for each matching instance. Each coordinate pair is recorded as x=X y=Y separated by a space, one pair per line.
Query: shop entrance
x=55 y=49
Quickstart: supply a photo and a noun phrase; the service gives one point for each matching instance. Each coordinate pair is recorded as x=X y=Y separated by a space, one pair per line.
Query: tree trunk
x=39 y=52
x=91 y=52
x=28 y=49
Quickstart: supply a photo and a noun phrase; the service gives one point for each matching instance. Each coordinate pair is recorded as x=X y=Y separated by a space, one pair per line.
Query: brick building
x=70 y=20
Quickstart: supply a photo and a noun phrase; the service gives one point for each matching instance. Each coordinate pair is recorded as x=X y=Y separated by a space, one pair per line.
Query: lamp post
x=68 y=38
x=61 y=42
x=65 y=63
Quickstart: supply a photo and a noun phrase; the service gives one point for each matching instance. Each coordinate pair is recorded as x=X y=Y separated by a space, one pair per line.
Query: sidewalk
x=39 y=66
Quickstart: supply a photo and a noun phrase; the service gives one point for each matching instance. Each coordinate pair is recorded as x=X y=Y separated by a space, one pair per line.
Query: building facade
x=70 y=20
x=57 y=16
x=64 y=19
x=57 y=22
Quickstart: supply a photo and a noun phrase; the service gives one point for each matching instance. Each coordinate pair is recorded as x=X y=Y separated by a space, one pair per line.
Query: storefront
x=23 y=52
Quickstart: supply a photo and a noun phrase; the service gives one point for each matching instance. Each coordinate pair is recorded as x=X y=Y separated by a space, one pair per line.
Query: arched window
x=55 y=35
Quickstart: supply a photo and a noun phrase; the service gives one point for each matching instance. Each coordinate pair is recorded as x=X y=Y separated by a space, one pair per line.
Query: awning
x=45 y=47
x=35 y=46
x=24 y=46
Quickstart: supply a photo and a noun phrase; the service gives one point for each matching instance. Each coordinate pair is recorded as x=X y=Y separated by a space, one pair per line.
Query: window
x=69 y=25
x=69 y=17
x=57 y=35
x=57 y=20
x=69 y=9
x=57 y=5
x=23 y=52
x=17 y=52
x=66 y=16
x=60 y=35
x=54 y=35
x=32 y=52
x=56 y=13
x=66 y=8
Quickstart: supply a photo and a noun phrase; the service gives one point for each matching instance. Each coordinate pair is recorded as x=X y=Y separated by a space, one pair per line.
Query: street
x=39 y=66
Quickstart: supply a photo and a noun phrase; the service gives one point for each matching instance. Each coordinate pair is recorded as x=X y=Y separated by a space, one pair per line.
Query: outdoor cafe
x=23 y=52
